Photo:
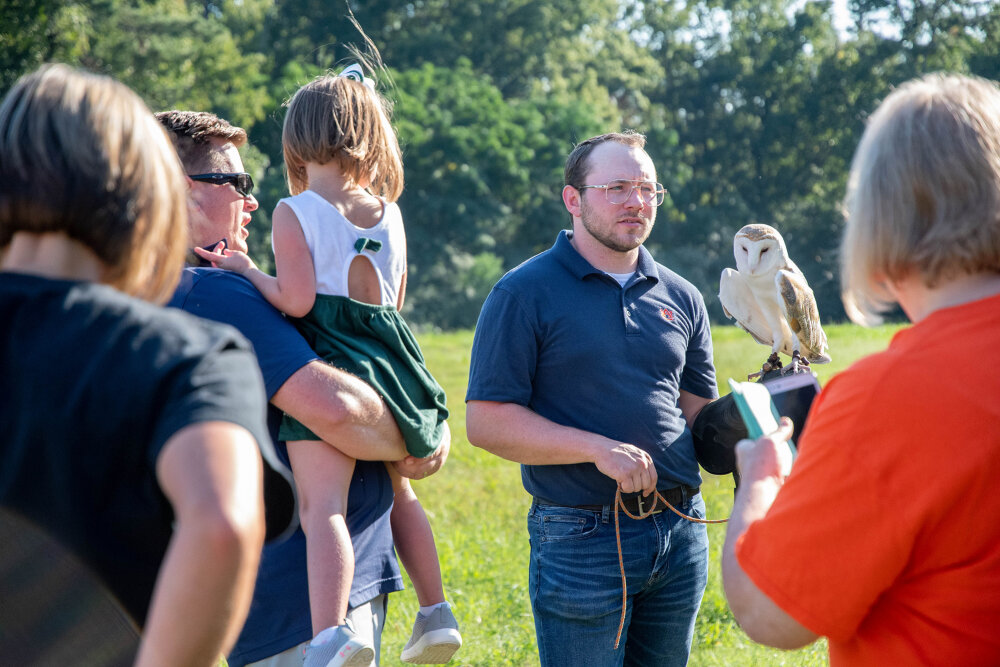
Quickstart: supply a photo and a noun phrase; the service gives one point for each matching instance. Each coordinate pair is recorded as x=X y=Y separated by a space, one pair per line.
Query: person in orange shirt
x=884 y=536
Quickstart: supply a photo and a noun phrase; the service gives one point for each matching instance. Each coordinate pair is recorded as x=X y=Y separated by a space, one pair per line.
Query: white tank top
x=333 y=239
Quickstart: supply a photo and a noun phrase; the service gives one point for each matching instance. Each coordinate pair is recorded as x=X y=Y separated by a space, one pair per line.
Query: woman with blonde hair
x=885 y=536
x=130 y=432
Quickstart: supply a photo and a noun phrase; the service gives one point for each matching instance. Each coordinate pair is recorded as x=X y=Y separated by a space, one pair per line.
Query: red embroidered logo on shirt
x=667 y=314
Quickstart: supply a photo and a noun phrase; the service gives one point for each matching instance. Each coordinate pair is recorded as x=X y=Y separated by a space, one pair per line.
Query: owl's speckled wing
x=799 y=306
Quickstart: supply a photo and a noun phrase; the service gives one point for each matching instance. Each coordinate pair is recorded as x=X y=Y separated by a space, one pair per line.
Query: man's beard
x=606 y=237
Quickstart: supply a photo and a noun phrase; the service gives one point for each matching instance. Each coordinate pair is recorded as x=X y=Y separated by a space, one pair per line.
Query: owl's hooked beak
x=754 y=259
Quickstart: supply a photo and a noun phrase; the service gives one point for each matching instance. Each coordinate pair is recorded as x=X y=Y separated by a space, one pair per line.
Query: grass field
x=477 y=507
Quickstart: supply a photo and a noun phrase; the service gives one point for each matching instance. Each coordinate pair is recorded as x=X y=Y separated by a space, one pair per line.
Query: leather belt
x=636 y=504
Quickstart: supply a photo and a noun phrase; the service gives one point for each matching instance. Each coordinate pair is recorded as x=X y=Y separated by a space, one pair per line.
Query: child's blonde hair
x=339 y=118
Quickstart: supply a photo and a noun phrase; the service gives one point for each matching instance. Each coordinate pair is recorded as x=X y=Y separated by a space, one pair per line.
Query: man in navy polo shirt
x=590 y=363
x=334 y=404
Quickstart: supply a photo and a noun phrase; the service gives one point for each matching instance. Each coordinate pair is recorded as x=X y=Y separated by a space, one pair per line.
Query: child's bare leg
x=435 y=636
x=414 y=539
x=323 y=475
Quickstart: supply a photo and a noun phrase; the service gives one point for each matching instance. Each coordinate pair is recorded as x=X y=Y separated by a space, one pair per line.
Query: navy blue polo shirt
x=279 y=613
x=567 y=341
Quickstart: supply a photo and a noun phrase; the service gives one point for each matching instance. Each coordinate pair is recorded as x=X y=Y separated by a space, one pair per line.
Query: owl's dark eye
x=764 y=250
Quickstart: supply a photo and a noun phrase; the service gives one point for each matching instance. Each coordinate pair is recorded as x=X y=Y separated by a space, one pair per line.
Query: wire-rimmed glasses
x=619 y=191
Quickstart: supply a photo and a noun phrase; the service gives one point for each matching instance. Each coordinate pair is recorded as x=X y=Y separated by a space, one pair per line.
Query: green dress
x=374 y=343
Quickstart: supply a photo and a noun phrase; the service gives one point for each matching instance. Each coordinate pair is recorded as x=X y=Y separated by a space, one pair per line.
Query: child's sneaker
x=435 y=638
x=346 y=649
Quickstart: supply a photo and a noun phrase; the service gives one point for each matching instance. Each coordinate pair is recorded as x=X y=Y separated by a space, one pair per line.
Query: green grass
x=477 y=507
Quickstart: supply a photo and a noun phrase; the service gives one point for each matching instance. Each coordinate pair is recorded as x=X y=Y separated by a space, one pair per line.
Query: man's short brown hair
x=576 y=163
x=195 y=133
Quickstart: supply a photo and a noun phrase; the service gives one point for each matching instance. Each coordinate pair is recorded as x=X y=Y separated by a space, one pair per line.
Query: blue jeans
x=576 y=589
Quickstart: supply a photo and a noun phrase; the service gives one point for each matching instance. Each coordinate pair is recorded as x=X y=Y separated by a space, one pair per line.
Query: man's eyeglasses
x=241 y=181
x=618 y=192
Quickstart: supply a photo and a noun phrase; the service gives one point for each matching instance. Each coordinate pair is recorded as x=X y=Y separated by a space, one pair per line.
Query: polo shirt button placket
x=631 y=328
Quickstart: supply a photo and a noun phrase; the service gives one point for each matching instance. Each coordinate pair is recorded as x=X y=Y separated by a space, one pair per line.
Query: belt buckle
x=642 y=509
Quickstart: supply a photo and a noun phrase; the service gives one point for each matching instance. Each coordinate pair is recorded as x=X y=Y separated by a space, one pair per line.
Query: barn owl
x=769 y=298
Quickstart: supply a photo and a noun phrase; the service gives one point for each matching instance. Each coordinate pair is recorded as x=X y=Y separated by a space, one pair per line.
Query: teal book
x=756 y=408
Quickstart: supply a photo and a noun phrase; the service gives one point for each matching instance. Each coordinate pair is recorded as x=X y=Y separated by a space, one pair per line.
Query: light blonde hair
x=338 y=118
x=83 y=155
x=923 y=196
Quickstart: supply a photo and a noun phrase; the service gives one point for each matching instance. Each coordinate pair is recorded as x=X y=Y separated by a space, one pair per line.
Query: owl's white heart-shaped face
x=759 y=250
x=758 y=256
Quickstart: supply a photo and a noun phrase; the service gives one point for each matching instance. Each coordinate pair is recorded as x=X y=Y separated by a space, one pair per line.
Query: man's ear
x=571 y=199
x=201 y=228
x=194 y=201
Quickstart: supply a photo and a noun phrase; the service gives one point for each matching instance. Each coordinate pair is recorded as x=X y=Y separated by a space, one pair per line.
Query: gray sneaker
x=435 y=638
x=346 y=649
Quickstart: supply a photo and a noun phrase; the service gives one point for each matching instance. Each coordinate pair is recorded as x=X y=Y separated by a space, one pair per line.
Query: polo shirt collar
x=580 y=268
x=197 y=262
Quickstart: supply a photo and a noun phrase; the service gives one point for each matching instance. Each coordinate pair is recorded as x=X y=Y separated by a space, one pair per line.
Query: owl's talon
x=798 y=364
x=773 y=363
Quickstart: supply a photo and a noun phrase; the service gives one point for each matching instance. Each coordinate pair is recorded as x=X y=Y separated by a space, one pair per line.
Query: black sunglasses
x=241 y=181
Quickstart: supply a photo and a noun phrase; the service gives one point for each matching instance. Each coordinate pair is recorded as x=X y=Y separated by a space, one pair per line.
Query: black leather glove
x=716 y=431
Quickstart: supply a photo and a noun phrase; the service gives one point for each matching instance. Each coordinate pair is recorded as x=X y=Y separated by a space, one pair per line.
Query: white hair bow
x=354 y=71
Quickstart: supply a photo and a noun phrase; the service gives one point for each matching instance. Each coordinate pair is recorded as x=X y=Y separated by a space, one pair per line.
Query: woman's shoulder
x=167 y=331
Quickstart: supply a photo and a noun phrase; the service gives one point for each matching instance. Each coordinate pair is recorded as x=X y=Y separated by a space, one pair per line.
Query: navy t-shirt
x=279 y=614
x=567 y=341
x=93 y=384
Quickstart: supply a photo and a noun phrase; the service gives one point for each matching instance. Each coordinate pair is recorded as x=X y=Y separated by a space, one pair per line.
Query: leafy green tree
x=764 y=130
x=514 y=42
x=985 y=59
x=478 y=181
x=752 y=108
x=483 y=177
x=174 y=54
x=33 y=32
x=175 y=57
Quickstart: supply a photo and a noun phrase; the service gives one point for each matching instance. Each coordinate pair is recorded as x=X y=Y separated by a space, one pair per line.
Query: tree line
x=752 y=108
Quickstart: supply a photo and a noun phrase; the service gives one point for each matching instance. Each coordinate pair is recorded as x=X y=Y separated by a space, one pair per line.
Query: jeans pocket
x=566 y=523
x=696 y=507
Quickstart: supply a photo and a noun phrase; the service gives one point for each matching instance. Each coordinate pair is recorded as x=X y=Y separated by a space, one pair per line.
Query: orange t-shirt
x=885 y=538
